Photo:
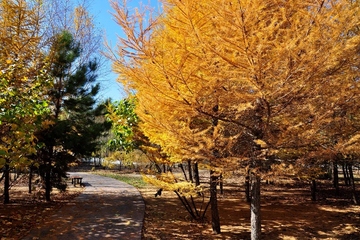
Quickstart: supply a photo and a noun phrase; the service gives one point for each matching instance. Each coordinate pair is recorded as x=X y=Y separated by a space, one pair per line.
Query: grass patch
x=137 y=182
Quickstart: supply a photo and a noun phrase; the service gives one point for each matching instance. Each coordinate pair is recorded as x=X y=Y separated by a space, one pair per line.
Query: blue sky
x=101 y=10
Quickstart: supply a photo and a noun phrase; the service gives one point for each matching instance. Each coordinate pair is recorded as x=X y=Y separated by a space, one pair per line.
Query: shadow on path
x=106 y=209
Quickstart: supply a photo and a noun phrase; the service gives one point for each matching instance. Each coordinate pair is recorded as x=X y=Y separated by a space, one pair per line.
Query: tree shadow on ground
x=102 y=216
x=106 y=211
x=287 y=213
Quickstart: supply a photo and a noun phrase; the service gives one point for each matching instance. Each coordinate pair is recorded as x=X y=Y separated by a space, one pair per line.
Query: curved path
x=107 y=209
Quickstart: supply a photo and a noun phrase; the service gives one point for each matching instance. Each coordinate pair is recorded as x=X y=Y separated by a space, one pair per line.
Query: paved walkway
x=107 y=209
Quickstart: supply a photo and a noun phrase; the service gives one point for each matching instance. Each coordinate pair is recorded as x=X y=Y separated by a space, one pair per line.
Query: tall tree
x=212 y=75
x=22 y=79
x=124 y=124
x=73 y=16
x=77 y=121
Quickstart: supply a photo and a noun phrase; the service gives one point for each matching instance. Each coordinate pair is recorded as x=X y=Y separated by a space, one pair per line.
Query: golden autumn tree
x=22 y=80
x=214 y=76
x=336 y=139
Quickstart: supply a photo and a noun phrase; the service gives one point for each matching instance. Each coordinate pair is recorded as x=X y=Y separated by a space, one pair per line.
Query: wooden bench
x=76 y=180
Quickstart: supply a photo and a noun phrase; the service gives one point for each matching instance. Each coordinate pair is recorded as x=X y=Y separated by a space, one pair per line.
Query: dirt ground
x=287 y=213
x=27 y=210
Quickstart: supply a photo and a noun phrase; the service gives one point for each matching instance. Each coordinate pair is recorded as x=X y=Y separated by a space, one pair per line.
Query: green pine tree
x=77 y=120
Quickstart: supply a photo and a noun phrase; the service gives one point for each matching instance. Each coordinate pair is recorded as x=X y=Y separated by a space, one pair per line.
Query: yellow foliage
x=167 y=182
x=47 y=123
x=109 y=163
x=21 y=79
x=261 y=143
x=264 y=72
x=352 y=146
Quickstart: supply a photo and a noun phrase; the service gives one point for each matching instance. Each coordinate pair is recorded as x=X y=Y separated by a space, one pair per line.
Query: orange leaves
x=274 y=70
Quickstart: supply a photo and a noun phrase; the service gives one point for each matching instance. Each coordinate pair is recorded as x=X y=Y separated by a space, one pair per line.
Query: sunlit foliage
x=224 y=81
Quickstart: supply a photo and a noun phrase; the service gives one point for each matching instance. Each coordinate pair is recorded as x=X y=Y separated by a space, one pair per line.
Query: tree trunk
x=158 y=168
x=48 y=156
x=6 y=183
x=190 y=171
x=255 y=208
x=221 y=184
x=196 y=174
x=313 y=190
x=48 y=180
x=330 y=169
x=247 y=187
x=215 y=220
x=183 y=171
x=30 y=178
x=345 y=173
x=48 y=175
x=353 y=187
x=336 y=178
